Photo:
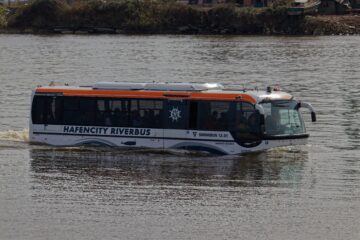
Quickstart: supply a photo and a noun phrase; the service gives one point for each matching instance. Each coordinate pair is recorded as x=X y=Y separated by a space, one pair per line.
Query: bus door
x=176 y=120
x=247 y=128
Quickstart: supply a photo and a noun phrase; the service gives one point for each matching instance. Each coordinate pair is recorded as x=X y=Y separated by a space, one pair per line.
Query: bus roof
x=193 y=91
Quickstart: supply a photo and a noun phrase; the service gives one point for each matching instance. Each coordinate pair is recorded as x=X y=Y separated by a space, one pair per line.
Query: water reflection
x=352 y=130
x=279 y=167
x=350 y=116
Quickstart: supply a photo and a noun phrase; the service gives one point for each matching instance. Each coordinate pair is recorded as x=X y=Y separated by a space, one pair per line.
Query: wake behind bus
x=192 y=116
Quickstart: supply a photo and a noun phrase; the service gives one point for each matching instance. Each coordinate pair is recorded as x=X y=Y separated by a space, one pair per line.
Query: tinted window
x=193 y=115
x=247 y=122
x=97 y=112
x=87 y=105
x=71 y=104
x=72 y=115
x=120 y=112
x=146 y=113
x=86 y=115
x=112 y=112
x=214 y=115
x=38 y=109
x=47 y=110
x=53 y=110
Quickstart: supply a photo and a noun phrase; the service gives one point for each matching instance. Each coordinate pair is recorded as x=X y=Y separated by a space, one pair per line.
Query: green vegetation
x=2 y=17
x=127 y=15
x=160 y=16
x=39 y=14
x=146 y=16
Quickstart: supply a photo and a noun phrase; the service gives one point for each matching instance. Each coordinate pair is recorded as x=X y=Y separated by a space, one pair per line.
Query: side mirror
x=313 y=116
x=308 y=106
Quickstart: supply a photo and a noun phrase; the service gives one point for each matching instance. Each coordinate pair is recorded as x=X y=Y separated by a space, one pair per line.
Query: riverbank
x=332 y=25
x=155 y=17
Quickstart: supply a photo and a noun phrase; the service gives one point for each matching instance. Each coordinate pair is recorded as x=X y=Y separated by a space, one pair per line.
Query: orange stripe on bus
x=149 y=94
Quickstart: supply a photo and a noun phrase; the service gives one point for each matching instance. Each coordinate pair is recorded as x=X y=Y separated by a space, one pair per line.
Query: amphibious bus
x=191 y=116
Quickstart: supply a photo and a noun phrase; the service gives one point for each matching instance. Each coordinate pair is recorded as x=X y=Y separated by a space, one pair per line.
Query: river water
x=302 y=192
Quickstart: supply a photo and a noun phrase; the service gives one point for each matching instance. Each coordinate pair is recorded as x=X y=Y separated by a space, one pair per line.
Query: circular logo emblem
x=175 y=114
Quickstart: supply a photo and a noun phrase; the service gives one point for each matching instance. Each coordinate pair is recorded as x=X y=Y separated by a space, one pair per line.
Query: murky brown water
x=304 y=192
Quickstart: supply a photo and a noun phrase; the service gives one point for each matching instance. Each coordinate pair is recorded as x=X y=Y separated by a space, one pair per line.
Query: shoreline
x=153 y=17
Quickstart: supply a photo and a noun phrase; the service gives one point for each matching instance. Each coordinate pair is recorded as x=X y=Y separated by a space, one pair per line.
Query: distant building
x=338 y=6
x=355 y=4
x=242 y=3
x=200 y=2
x=255 y=3
x=9 y=2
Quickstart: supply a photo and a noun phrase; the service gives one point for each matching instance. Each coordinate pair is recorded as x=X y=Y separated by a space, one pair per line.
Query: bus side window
x=112 y=112
x=47 y=110
x=146 y=113
x=87 y=111
x=247 y=122
x=135 y=117
x=54 y=105
x=103 y=112
x=38 y=109
x=71 y=111
x=214 y=115
x=193 y=115
x=119 y=113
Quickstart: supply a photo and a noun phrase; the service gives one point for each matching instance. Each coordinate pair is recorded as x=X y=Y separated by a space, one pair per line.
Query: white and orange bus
x=202 y=116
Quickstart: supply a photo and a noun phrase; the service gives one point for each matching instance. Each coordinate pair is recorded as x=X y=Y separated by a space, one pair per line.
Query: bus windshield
x=282 y=118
